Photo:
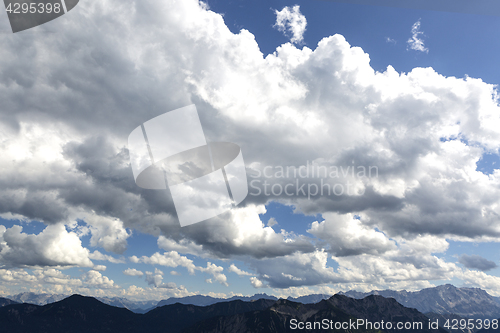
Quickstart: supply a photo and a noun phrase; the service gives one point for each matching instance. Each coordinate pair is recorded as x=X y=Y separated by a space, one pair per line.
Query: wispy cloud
x=291 y=21
x=415 y=42
x=238 y=271
x=390 y=40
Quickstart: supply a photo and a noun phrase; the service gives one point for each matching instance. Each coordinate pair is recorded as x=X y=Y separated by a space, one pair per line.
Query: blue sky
x=430 y=217
x=459 y=44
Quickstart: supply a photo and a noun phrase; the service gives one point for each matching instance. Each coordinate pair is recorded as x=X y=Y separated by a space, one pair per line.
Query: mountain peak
x=444 y=299
x=445 y=286
x=77 y=300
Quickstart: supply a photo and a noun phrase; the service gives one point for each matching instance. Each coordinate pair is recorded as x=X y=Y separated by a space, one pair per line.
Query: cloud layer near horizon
x=71 y=98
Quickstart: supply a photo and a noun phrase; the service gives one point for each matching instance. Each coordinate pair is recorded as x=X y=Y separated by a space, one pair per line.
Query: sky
x=369 y=135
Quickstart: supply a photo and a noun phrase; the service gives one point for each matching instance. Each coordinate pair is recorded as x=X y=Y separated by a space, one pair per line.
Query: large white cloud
x=54 y=246
x=70 y=99
x=326 y=105
x=346 y=235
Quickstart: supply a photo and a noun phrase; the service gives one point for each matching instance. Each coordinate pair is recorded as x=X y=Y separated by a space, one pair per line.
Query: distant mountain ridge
x=44 y=299
x=442 y=300
x=144 y=306
x=285 y=315
x=78 y=314
x=178 y=317
x=73 y=314
x=201 y=300
x=134 y=306
x=446 y=299
x=6 y=301
x=37 y=299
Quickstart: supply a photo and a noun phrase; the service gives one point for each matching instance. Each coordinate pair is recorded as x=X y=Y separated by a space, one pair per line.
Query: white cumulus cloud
x=416 y=42
x=290 y=20
x=132 y=272
x=54 y=246
x=238 y=271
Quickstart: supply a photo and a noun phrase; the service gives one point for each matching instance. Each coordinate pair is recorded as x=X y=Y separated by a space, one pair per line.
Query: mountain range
x=78 y=314
x=43 y=299
x=440 y=303
x=38 y=299
x=6 y=301
x=201 y=300
x=286 y=316
x=446 y=299
x=145 y=306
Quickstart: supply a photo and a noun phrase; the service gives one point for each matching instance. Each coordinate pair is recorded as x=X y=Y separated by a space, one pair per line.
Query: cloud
x=94 y=279
x=54 y=281
x=242 y=230
x=291 y=20
x=54 y=276
x=347 y=235
x=174 y=259
x=54 y=246
x=476 y=262
x=309 y=269
x=415 y=42
x=238 y=271
x=329 y=119
x=182 y=246
x=256 y=283
x=108 y=233
x=153 y=293
x=242 y=233
x=16 y=276
x=410 y=262
x=155 y=278
x=480 y=280
x=170 y=259
x=292 y=86
x=132 y=272
x=65 y=120
x=96 y=255
x=168 y=285
x=272 y=222
x=216 y=272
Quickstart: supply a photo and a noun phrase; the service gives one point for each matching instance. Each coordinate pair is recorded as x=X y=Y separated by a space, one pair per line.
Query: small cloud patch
x=416 y=42
x=476 y=262
x=290 y=21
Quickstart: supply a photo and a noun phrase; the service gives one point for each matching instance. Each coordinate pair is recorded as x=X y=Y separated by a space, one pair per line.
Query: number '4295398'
x=472 y=324
x=24 y=8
